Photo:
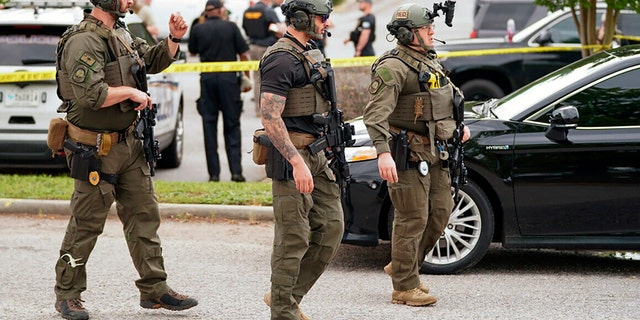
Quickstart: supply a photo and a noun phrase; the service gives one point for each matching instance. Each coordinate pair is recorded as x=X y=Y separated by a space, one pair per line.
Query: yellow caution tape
x=253 y=65
x=235 y=66
x=467 y=53
x=28 y=76
x=634 y=38
x=226 y=66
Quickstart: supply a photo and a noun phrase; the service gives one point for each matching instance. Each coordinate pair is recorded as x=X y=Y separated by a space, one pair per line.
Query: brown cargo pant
x=422 y=209
x=307 y=233
x=137 y=208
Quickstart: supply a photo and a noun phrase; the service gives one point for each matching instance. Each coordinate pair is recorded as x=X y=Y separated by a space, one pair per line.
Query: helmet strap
x=420 y=42
x=312 y=28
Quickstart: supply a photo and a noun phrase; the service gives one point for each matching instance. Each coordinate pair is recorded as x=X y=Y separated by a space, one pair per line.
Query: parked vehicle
x=491 y=16
x=28 y=40
x=534 y=52
x=552 y=165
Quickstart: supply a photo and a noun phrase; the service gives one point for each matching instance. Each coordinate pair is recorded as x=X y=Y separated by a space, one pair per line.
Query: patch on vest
x=385 y=74
x=375 y=86
x=79 y=74
x=87 y=59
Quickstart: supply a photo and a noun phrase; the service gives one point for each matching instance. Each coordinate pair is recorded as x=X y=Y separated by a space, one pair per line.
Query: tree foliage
x=587 y=20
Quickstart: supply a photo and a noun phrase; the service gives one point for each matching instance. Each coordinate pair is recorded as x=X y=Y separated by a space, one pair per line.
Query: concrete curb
x=166 y=209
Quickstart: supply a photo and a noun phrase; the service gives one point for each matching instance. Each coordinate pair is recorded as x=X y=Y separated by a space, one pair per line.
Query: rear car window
x=29 y=45
x=498 y=14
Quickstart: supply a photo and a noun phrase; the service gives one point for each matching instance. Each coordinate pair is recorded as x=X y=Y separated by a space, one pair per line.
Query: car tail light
x=474 y=34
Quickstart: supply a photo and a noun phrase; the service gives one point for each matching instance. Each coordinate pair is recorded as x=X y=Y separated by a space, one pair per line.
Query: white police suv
x=29 y=33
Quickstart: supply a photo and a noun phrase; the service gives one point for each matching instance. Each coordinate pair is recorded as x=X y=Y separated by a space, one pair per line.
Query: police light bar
x=48 y=3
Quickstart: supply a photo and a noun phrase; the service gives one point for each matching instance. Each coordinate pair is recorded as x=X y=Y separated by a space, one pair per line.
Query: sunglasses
x=324 y=18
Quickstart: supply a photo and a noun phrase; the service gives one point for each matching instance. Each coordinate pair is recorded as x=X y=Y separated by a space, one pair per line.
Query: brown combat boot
x=414 y=297
x=423 y=287
x=170 y=301
x=72 y=309
x=267 y=300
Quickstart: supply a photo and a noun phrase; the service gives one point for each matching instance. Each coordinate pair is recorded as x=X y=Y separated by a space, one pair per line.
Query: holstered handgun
x=277 y=166
x=400 y=149
x=85 y=164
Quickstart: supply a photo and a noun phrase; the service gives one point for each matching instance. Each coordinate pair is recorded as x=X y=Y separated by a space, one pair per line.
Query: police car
x=29 y=32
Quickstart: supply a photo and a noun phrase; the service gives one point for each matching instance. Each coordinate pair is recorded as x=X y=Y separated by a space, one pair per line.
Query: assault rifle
x=456 y=161
x=144 y=132
x=337 y=134
x=144 y=127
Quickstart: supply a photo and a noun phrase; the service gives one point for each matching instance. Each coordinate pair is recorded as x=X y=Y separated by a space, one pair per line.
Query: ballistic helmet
x=300 y=13
x=111 y=6
x=406 y=18
x=411 y=16
x=317 y=7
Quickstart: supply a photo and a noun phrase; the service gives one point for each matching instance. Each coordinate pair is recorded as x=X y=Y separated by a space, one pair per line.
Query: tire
x=172 y=155
x=481 y=90
x=466 y=237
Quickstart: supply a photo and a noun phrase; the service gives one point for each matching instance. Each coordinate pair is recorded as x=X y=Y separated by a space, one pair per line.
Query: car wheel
x=481 y=90
x=467 y=236
x=172 y=155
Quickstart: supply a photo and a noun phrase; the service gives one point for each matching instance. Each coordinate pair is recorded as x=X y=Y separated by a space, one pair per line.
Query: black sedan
x=492 y=67
x=555 y=164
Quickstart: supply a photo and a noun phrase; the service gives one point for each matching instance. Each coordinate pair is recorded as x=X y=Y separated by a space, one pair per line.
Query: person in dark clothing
x=220 y=91
x=365 y=32
x=263 y=28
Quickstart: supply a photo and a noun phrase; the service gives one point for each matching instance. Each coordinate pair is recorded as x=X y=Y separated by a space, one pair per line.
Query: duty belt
x=93 y=138
x=301 y=140
x=101 y=140
x=411 y=134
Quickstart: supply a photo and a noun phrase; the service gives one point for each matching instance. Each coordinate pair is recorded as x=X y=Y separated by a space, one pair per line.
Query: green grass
x=60 y=187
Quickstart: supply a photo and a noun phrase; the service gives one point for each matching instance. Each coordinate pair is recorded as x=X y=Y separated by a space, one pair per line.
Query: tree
x=586 y=19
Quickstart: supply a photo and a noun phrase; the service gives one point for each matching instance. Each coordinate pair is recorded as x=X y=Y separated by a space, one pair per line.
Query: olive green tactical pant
x=137 y=209
x=422 y=209
x=307 y=233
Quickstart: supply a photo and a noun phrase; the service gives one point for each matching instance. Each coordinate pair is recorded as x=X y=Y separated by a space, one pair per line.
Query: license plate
x=22 y=98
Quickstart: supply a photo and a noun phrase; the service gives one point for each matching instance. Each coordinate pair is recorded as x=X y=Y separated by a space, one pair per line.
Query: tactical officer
x=262 y=25
x=306 y=198
x=409 y=118
x=100 y=71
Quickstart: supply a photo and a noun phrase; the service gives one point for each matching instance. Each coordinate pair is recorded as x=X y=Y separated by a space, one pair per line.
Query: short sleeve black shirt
x=217 y=40
x=281 y=71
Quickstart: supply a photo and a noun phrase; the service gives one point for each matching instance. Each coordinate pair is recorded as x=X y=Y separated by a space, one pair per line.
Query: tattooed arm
x=271 y=107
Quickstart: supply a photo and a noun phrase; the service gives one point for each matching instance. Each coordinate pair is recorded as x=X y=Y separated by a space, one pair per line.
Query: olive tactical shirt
x=83 y=59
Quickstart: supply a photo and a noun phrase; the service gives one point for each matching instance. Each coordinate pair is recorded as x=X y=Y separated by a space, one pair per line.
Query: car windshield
x=514 y=103
x=29 y=45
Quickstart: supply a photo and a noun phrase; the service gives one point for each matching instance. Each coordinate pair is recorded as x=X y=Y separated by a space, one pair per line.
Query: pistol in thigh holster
x=85 y=164
x=400 y=149
x=277 y=167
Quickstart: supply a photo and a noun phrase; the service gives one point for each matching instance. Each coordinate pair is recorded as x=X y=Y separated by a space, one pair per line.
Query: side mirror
x=562 y=119
x=544 y=38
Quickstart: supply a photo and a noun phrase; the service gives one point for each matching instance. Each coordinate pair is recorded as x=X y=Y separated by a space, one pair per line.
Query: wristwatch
x=174 y=39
